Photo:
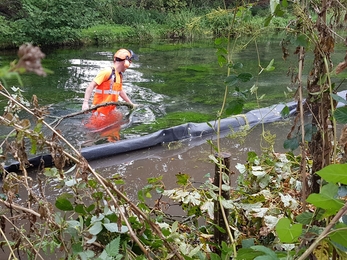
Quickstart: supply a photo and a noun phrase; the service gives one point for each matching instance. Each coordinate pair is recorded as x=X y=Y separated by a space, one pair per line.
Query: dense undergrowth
x=102 y=22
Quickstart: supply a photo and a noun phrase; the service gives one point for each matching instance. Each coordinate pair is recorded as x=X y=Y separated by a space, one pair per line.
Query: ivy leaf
x=291 y=144
x=286 y=232
x=208 y=206
x=334 y=173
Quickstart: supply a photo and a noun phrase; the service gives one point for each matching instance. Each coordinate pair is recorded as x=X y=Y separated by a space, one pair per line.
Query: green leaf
x=268 y=20
x=247 y=254
x=291 y=144
x=245 y=77
x=247 y=243
x=90 y=208
x=182 y=179
x=235 y=107
x=285 y=111
x=305 y=218
x=338 y=98
x=310 y=130
x=278 y=11
x=286 y=232
x=340 y=237
x=326 y=199
x=96 y=228
x=284 y=3
x=214 y=256
x=51 y=172
x=80 y=209
x=231 y=80
x=270 y=66
x=33 y=146
x=237 y=65
x=63 y=203
x=112 y=248
x=302 y=40
x=112 y=227
x=334 y=173
x=77 y=247
x=269 y=254
x=86 y=255
x=340 y=115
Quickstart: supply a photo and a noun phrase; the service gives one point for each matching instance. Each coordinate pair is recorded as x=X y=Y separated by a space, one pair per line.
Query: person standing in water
x=108 y=85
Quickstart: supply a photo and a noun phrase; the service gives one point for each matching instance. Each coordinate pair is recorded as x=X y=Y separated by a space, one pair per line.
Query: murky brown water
x=187 y=156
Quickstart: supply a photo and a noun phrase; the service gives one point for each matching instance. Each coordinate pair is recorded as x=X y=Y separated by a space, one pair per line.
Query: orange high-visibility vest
x=109 y=84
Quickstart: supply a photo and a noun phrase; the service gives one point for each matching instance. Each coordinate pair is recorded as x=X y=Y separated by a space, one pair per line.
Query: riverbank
x=83 y=25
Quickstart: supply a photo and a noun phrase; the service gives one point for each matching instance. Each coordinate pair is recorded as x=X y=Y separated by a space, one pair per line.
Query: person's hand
x=85 y=105
x=135 y=106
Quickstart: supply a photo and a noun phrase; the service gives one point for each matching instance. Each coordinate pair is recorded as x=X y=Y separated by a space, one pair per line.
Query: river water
x=169 y=81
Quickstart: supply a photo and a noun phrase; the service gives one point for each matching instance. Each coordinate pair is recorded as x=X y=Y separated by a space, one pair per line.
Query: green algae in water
x=170 y=120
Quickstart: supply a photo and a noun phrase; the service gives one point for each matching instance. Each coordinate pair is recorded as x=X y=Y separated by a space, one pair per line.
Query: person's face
x=123 y=65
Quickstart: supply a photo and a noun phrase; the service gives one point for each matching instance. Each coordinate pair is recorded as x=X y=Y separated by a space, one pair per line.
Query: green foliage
x=94 y=219
x=101 y=34
x=287 y=232
x=294 y=140
x=334 y=173
x=60 y=22
x=6 y=32
x=46 y=22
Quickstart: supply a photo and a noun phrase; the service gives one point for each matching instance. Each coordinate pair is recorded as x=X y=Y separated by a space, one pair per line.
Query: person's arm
x=88 y=94
x=125 y=97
